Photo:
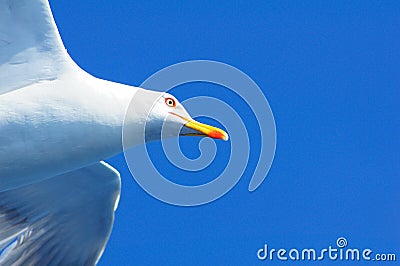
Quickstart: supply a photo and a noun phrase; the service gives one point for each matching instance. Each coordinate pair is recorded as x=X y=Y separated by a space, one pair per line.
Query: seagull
x=58 y=124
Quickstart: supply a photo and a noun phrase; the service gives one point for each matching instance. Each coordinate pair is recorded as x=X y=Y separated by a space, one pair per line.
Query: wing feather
x=31 y=49
x=65 y=220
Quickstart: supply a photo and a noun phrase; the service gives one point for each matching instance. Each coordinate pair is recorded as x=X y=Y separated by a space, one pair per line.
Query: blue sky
x=330 y=73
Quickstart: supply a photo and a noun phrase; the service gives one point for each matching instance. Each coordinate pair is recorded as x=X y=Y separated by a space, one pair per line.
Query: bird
x=57 y=126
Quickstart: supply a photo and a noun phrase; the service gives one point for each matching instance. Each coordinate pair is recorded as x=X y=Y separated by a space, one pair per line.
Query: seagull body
x=53 y=127
x=57 y=124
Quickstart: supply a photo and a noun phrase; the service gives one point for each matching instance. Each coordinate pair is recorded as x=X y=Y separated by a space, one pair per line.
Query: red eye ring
x=170 y=102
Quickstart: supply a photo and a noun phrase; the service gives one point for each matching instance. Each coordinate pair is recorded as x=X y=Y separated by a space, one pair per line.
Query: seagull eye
x=170 y=102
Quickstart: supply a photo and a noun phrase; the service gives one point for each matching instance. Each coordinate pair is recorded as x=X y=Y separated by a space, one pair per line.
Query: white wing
x=65 y=220
x=31 y=49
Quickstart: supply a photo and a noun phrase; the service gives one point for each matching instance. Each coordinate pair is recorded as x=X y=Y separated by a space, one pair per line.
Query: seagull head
x=165 y=117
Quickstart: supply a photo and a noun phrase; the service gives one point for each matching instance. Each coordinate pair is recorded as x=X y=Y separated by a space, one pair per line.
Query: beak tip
x=218 y=134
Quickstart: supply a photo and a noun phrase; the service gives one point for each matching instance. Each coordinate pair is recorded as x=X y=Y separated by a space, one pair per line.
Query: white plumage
x=60 y=221
x=57 y=124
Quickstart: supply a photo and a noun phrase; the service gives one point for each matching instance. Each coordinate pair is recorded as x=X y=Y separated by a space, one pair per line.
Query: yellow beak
x=203 y=129
x=206 y=130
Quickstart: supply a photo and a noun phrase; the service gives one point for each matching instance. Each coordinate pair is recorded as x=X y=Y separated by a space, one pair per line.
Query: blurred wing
x=31 y=49
x=65 y=220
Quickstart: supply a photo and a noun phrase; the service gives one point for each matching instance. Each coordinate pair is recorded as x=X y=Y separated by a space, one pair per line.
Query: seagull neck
x=111 y=111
